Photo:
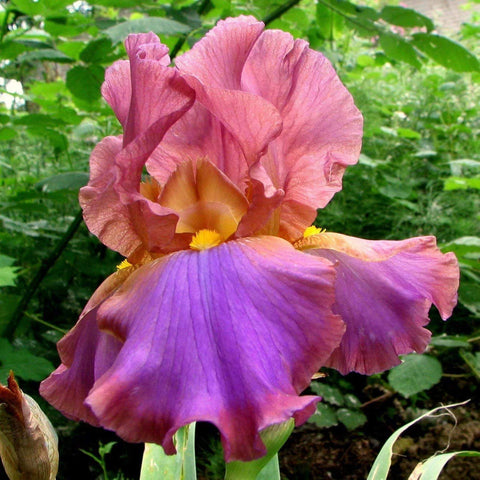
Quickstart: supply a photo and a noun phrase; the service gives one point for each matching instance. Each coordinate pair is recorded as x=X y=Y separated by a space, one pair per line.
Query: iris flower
x=229 y=300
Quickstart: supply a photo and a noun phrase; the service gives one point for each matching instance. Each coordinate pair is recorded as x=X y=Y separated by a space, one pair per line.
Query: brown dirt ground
x=313 y=453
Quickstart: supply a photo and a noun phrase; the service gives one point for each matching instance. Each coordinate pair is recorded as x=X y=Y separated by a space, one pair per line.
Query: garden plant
x=272 y=197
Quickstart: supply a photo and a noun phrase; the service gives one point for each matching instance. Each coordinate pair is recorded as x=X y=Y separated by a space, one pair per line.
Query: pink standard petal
x=117 y=88
x=105 y=216
x=217 y=59
x=322 y=128
x=146 y=95
x=384 y=291
x=199 y=135
x=229 y=335
x=213 y=68
x=114 y=210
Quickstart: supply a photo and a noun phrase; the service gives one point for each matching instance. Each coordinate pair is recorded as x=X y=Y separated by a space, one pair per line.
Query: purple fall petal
x=85 y=353
x=384 y=291
x=229 y=335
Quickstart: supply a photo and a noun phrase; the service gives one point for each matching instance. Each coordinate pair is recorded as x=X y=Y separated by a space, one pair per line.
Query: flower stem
x=45 y=267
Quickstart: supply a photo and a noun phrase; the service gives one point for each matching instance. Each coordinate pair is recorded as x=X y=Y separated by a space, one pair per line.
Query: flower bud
x=28 y=442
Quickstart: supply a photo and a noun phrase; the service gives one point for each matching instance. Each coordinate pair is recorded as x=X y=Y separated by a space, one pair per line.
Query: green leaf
x=23 y=363
x=431 y=468
x=106 y=449
x=37 y=119
x=273 y=437
x=97 y=51
x=461 y=183
x=158 y=25
x=324 y=416
x=85 y=82
x=408 y=133
x=7 y=133
x=329 y=23
x=383 y=461
x=46 y=55
x=415 y=374
x=405 y=17
x=469 y=296
x=11 y=49
x=157 y=465
x=271 y=471
x=118 y=3
x=329 y=394
x=40 y=7
x=8 y=304
x=63 y=181
x=396 y=48
x=352 y=419
x=446 y=52
x=6 y=261
x=351 y=401
x=450 y=341
x=69 y=25
x=56 y=139
x=8 y=276
x=473 y=361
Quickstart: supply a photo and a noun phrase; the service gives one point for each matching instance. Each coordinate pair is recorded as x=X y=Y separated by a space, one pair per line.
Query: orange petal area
x=204 y=199
x=150 y=189
x=367 y=250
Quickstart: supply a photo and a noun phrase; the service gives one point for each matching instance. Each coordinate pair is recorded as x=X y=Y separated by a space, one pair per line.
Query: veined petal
x=251 y=120
x=105 y=216
x=213 y=68
x=146 y=95
x=86 y=353
x=384 y=290
x=322 y=128
x=113 y=208
x=229 y=335
x=68 y=386
x=117 y=88
x=218 y=58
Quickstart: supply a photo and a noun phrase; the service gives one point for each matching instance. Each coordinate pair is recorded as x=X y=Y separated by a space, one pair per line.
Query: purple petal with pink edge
x=217 y=59
x=230 y=335
x=384 y=291
x=86 y=353
x=322 y=128
x=84 y=350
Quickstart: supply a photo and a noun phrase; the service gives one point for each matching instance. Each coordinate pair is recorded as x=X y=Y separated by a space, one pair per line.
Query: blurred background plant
x=419 y=174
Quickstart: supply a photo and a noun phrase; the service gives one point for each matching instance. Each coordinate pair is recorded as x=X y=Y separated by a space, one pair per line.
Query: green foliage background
x=419 y=172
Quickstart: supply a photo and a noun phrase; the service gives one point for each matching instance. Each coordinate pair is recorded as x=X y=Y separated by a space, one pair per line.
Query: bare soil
x=313 y=453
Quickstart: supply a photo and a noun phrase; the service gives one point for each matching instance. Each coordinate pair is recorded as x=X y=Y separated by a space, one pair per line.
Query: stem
x=280 y=11
x=4 y=26
x=347 y=17
x=202 y=7
x=36 y=318
x=45 y=267
x=381 y=398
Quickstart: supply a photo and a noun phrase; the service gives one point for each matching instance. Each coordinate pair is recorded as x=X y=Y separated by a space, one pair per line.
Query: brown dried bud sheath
x=28 y=442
